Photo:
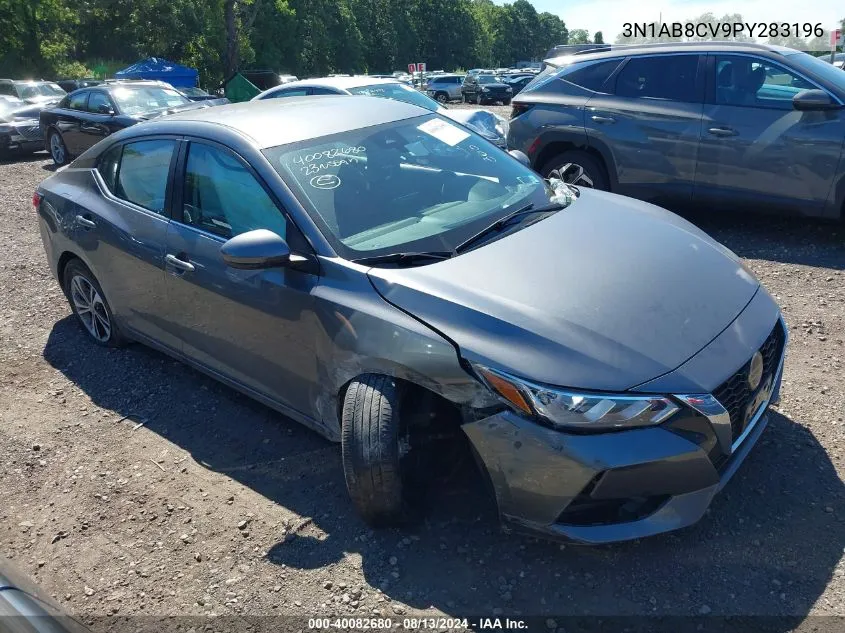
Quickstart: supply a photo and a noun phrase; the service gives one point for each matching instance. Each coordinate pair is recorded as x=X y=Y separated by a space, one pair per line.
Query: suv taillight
x=36 y=199
x=520 y=108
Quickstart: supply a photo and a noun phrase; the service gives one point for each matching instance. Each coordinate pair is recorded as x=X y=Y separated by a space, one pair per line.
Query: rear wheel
x=374 y=440
x=58 y=150
x=442 y=97
x=577 y=168
x=88 y=302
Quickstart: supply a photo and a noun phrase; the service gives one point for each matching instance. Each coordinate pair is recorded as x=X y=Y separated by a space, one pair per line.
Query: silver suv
x=445 y=88
x=714 y=124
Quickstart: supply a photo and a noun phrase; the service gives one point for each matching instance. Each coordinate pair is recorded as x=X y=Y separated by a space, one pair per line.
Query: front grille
x=735 y=393
x=32 y=132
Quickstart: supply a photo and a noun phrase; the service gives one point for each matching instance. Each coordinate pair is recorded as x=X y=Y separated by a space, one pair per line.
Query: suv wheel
x=577 y=168
x=442 y=97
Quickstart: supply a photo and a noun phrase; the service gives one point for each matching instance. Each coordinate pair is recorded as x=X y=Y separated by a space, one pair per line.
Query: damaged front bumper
x=609 y=487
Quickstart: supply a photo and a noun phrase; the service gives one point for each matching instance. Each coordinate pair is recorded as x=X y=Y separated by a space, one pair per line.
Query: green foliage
x=53 y=38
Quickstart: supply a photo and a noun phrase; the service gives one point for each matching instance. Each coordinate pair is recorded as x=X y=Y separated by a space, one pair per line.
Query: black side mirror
x=105 y=108
x=521 y=157
x=256 y=250
x=813 y=100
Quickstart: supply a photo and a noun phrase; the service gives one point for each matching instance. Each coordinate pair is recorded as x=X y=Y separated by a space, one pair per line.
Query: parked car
x=491 y=126
x=718 y=124
x=19 y=127
x=392 y=280
x=518 y=82
x=35 y=92
x=86 y=116
x=483 y=88
x=445 y=88
x=838 y=59
x=69 y=85
x=194 y=93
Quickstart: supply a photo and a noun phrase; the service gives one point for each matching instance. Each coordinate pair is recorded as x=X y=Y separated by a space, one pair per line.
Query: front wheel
x=58 y=150
x=373 y=442
x=577 y=168
x=506 y=102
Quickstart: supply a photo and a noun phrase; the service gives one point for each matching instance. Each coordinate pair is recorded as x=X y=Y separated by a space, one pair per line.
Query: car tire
x=57 y=148
x=578 y=168
x=371 y=443
x=83 y=291
x=441 y=97
x=506 y=102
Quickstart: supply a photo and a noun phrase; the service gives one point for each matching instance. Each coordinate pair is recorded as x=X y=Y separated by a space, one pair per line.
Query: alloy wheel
x=57 y=148
x=574 y=174
x=90 y=308
x=442 y=98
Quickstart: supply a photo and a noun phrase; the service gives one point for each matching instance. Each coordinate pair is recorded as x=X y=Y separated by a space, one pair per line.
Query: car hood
x=606 y=294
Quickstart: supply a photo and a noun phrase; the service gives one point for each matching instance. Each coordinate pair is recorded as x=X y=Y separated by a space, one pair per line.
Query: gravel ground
x=216 y=504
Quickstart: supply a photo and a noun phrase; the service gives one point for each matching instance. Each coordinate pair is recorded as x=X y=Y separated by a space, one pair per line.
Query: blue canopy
x=160 y=70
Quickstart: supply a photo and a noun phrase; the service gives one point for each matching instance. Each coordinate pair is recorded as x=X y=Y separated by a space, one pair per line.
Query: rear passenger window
x=142 y=173
x=670 y=77
x=593 y=76
x=77 y=101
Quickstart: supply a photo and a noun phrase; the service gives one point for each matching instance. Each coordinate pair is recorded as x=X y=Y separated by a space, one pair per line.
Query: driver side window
x=221 y=195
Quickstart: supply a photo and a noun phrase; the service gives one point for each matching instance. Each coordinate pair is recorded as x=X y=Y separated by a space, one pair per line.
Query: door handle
x=83 y=221
x=603 y=119
x=181 y=264
x=723 y=131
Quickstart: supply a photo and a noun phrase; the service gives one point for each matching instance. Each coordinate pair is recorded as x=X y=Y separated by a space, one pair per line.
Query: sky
x=608 y=16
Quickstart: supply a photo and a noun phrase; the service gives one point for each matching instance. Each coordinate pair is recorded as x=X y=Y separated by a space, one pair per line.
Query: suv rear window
x=593 y=76
x=670 y=77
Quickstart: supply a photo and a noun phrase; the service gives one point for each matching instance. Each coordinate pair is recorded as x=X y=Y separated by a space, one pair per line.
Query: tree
x=598 y=38
x=579 y=36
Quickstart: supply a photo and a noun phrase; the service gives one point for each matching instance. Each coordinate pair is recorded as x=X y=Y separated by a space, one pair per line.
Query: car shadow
x=768 y=545
x=24 y=158
x=806 y=241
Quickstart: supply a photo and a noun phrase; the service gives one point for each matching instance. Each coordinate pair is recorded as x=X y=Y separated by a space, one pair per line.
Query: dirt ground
x=131 y=484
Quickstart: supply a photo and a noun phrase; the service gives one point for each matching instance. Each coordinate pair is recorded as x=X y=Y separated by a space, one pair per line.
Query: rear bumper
x=604 y=488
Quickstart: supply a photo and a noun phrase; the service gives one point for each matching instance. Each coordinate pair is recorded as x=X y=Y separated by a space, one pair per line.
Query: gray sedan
x=393 y=281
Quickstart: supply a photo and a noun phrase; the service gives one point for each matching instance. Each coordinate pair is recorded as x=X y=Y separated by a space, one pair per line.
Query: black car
x=69 y=85
x=19 y=127
x=486 y=89
x=198 y=94
x=86 y=116
x=518 y=82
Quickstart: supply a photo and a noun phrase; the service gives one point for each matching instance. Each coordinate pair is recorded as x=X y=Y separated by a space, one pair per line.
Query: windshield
x=398 y=92
x=193 y=92
x=420 y=184
x=488 y=79
x=828 y=72
x=31 y=91
x=141 y=99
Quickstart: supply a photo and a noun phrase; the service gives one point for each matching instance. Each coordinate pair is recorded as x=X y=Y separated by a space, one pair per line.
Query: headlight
x=485 y=90
x=508 y=89
x=565 y=409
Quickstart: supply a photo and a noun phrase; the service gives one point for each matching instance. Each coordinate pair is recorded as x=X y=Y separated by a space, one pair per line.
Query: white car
x=489 y=125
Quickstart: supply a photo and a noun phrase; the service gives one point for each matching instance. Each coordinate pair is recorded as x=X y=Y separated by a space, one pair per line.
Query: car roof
x=625 y=50
x=343 y=83
x=273 y=122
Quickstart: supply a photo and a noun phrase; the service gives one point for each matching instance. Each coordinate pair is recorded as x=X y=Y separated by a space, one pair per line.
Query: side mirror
x=256 y=250
x=813 y=100
x=105 y=108
x=521 y=157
